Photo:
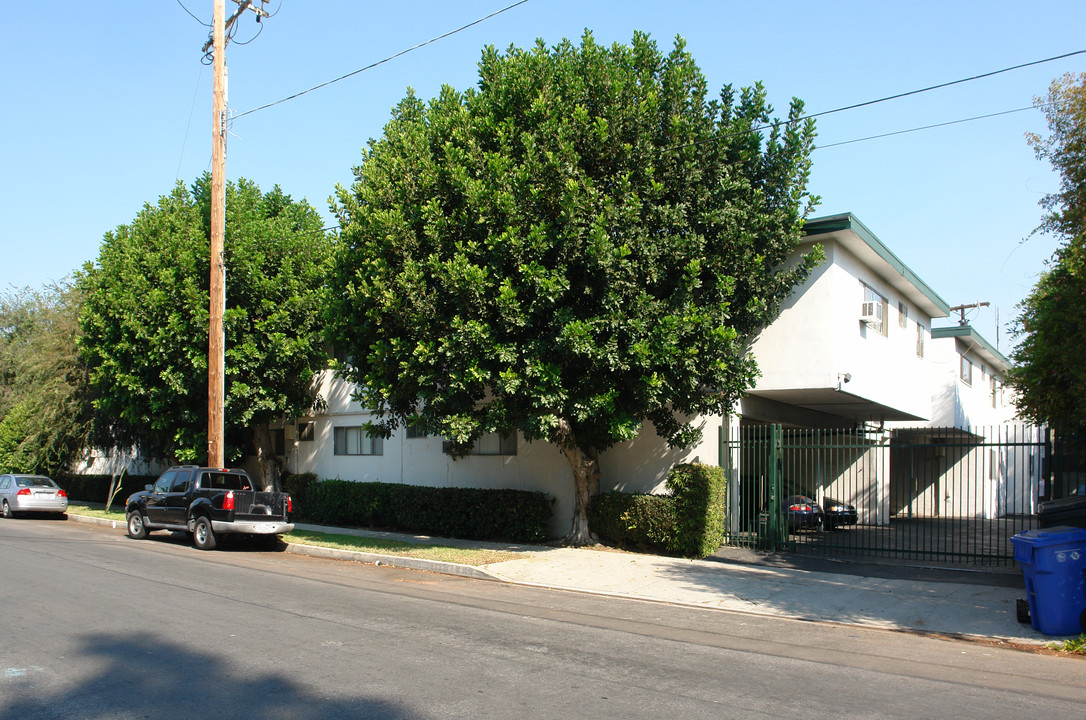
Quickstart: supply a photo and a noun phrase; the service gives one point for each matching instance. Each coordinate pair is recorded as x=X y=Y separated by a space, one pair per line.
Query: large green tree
x=145 y=320
x=44 y=417
x=1050 y=367
x=583 y=243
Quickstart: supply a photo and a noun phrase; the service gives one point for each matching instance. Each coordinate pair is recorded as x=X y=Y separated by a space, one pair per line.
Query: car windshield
x=34 y=481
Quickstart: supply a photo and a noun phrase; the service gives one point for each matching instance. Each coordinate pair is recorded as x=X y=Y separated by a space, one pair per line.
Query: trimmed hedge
x=639 y=521
x=297 y=484
x=699 y=492
x=469 y=513
x=95 y=488
x=689 y=521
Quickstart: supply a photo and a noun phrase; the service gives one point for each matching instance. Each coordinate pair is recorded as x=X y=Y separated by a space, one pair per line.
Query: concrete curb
x=407 y=563
x=101 y=522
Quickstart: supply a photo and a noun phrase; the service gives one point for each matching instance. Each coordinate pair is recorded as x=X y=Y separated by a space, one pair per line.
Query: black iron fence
x=941 y=495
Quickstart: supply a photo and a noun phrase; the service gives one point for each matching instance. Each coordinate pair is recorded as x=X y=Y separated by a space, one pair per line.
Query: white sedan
x=30 y=493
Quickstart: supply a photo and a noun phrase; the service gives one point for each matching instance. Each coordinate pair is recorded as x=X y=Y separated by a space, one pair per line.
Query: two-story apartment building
x=852 y=348
x=850 y=345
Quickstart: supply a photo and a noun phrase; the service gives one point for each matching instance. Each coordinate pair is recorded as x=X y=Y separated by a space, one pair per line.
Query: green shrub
x=689 y=521
x=95 y=488
x=298 y=485
x=639 y=521
x=699 y=492
x=470 y=513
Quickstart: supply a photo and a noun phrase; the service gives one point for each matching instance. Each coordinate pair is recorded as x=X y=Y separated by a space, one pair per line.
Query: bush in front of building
x=636 y=521
x=297 y=485
x=95 y=488
x=469 y=513
x=699 y=492
x=689 y=521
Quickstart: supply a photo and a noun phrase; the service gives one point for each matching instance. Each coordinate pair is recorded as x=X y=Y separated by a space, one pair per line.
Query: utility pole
x=216 y=341
x=216 y=350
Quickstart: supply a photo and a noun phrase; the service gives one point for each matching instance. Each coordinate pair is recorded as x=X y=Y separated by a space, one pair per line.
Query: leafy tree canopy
x=582 y=243
x=145 y=318
x=1050 y=369
x=44 y=419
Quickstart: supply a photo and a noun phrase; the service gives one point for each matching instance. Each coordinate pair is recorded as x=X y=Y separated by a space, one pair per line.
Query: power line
x=191 y=15
x=382 y=62
x=925 y=127
x=880 y=100
x=943 y=85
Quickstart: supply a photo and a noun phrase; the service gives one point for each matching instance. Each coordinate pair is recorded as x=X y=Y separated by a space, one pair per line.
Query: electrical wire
x=925 y=127
x=254 y=37
x=867 y=103
x=191 y=15
x=385 y=60
x=943 y=85
x=188 y=125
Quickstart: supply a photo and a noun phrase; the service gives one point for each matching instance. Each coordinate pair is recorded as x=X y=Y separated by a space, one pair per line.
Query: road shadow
x=150 y=677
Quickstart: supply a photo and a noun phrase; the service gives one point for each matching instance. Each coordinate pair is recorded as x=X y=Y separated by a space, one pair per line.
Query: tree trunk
x=265 y=457
x=585 y=464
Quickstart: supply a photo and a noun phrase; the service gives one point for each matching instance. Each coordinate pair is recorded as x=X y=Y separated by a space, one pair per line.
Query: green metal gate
x=943 y=496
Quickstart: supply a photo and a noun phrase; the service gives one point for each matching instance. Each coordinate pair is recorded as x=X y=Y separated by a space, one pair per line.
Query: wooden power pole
x=216 y=341
x=216 y=350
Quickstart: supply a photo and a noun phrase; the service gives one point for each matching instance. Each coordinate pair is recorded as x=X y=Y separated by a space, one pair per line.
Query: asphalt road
x=95 y=625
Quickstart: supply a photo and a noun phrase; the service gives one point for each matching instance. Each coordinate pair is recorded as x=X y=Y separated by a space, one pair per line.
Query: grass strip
x=87 y=511
x=381 y=546
x=384 y=546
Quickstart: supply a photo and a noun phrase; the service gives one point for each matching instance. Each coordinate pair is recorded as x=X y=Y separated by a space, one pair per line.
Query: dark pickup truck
x=205 y=502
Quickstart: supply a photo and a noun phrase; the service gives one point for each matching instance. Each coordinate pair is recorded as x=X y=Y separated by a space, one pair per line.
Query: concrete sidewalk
x=958 y=603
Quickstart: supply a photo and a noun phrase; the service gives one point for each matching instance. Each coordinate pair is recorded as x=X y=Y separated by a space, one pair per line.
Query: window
x=164 y=483
x=495 y=444
x=210 y=480
x=415 y=430
x=919 y=340
x=902 y=315
x=874 y=309
x=967 y=371
x=355 y=441
x=305 y=431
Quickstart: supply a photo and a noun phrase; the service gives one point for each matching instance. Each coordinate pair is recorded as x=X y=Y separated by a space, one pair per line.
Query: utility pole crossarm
x=243 y=5
x=960 y=309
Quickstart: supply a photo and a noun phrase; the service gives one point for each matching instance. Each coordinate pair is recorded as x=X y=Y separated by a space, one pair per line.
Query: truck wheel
x=137 y=528
x=202 y=534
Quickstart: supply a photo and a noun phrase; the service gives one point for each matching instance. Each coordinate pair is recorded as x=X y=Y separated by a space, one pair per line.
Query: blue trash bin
x=1053 y=561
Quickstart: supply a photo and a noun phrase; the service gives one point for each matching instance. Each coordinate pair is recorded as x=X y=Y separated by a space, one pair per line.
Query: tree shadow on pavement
x=154 y=678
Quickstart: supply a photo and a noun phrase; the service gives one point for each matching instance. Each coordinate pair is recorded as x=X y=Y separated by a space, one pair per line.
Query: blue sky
x=108 y=105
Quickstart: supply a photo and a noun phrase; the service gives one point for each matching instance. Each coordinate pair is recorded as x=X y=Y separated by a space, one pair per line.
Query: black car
x=802 y=513
x=838 y=513
x=1070 y=510
x=208 y=502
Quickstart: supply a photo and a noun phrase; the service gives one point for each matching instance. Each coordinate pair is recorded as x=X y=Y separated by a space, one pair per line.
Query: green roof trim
x=848 y=221
x=978 y=343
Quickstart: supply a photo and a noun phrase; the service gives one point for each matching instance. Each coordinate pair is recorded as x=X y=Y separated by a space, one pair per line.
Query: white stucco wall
x=956 y=403
x=113 y=462
x=819 y=337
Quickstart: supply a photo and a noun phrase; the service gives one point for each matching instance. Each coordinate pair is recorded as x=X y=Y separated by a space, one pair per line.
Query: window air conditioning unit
x=871 y=313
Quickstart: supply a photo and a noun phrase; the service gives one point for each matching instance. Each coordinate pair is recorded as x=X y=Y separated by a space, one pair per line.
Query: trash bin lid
x=1059 y=535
